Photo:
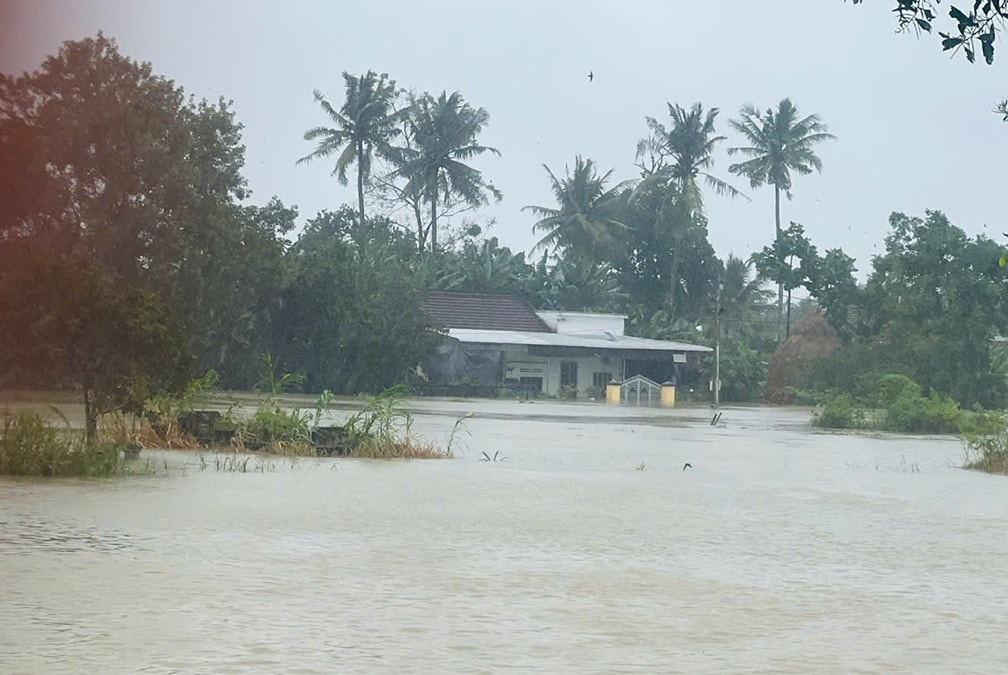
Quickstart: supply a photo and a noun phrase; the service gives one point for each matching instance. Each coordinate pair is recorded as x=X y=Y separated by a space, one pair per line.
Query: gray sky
x=914 y=127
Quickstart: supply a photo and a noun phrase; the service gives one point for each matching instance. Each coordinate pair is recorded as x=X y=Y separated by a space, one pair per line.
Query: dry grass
x=811 y=339
x=405 y=448
x=278 y=448
x=123 y=430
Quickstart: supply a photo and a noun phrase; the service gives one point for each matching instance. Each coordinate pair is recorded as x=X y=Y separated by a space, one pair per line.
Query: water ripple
x=771 y=555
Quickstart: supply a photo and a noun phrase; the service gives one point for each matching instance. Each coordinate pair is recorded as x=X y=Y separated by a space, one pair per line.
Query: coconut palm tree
x=362 y=127
x=779 y=142
x=672 y=161
x=444 y=132
x=685 y=152
x=743 y=297
x=585 y=219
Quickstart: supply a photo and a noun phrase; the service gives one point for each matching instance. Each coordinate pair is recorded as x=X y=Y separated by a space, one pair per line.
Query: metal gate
x=639 y=389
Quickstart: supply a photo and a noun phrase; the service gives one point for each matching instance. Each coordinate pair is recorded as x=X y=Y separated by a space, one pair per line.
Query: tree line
x=132 y=259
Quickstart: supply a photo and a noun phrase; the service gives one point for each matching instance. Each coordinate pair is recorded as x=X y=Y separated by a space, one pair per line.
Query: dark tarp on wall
x=453 y=362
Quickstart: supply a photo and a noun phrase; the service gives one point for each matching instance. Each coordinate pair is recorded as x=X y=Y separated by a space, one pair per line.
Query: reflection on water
x=782 y=550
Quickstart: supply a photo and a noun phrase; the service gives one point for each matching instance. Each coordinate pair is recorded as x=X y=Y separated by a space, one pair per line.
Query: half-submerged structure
x=501 y=340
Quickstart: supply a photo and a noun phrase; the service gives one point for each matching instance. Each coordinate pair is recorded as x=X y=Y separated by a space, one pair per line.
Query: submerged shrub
x=382 y=429
x=270 y=426
x=987 y=453
x=979 y=422
x=31 y=447
x=936 y=414
x=894 y=387
x=838 y=413
x=402 y=448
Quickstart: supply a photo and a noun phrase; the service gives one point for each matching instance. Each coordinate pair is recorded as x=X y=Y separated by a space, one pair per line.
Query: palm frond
x=722 y=188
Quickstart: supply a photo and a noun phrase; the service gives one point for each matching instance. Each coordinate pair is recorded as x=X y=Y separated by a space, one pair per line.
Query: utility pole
x=717 y=346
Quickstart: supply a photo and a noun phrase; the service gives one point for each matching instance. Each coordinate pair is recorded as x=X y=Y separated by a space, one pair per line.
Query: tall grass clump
x=31 y=447
x=271 y=428
x=163 y=413
x=383 y=429
x=987 y=453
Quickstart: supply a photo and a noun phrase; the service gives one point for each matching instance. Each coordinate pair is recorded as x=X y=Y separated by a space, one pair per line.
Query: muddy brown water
x=781 y=550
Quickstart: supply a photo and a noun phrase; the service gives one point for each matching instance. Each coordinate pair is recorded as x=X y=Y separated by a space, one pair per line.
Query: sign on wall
x=516 y=369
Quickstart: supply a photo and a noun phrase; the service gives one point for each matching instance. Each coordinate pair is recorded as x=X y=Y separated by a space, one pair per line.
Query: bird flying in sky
x=591 y=76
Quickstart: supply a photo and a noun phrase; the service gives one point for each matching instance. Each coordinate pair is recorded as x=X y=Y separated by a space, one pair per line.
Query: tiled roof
x=482 y=312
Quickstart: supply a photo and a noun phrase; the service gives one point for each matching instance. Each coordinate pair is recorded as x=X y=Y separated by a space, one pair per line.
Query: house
x=499 y=339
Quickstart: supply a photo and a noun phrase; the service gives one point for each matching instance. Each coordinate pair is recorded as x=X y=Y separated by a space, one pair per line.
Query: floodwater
x=781 y=550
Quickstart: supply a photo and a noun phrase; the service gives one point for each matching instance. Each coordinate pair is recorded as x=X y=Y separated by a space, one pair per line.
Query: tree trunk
x=360 y=184
x=673 y=280
x=777 y=245
x=421 y=233
x=787 y=332
x=90 y=418
x=433 y=222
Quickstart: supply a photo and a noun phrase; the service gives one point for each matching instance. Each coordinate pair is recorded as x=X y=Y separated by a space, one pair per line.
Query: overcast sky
x=915 y=129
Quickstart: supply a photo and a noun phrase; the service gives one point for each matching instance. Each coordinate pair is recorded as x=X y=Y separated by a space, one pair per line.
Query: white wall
x=581 y=322
x=587 y=367
x=517 y=359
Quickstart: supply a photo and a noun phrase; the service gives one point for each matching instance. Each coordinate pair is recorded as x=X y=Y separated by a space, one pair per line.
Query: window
x=568 y=373
x=532 y=384
x=600 y=380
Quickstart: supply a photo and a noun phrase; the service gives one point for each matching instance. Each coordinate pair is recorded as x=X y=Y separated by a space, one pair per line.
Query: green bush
x=978 y=422
x=270 y=425
x=568 y=392
x=839 y=412
x=893 y=387
x=936 y=414
x=31 y=447
x=798 y=396
x=902 y=407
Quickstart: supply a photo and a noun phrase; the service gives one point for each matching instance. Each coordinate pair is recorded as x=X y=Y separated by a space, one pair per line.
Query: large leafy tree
x=103 y=138
x=577 y=283
x=444 y=133
x=228 y=288
x=123 y=170
x=790 y=261
x=484 y=266
x=780 y=143
x=665 y=260
x=586 y=220
x=147 y=184
x=362 y=127
x=349 y=321
x=67 y=320
x=930 y=310
x=836 y=291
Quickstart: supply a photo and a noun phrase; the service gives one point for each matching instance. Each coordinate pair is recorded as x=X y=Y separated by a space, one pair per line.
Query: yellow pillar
x=668 y=394
x=612 y=392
